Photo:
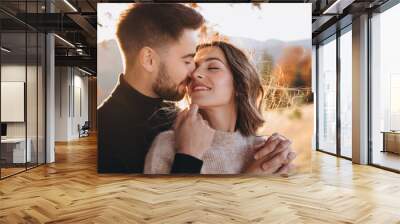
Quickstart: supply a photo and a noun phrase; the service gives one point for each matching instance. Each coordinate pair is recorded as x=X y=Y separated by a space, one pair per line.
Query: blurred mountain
x=273 y=47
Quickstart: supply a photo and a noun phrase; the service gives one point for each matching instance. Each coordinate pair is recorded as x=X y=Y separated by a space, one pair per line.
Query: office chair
x=84 y=130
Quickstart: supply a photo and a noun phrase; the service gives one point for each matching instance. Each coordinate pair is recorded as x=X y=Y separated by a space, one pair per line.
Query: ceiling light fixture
x=5 y=50
x=70 y=5
x=64 y=40
x=84 y=71
x=337 y=7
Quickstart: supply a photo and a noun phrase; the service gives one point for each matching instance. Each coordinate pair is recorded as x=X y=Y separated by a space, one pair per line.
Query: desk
x=391 y=141
x=13 y=150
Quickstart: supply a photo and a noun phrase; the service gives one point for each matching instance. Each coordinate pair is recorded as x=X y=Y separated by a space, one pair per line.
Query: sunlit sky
x=286 y=22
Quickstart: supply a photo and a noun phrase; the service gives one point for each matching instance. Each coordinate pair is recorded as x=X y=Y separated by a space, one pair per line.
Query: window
x=346 y=93
x=385 y=89
x=327 y=95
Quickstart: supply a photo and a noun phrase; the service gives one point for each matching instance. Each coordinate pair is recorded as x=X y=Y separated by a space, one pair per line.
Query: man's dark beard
x=165 y=88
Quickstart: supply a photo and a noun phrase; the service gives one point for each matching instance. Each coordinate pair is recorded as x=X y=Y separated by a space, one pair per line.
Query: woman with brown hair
x=227 y=90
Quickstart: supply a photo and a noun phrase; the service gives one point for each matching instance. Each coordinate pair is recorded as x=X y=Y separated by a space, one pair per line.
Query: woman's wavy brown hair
x=248 y=87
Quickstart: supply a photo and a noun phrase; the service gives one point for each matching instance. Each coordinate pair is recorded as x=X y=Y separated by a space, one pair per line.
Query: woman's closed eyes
x=214 y=66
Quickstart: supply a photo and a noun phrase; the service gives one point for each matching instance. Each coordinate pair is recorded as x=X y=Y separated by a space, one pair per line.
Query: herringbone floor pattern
x=70 y=191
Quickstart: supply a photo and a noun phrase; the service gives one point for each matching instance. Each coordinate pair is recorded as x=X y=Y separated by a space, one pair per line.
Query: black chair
x=84 y=130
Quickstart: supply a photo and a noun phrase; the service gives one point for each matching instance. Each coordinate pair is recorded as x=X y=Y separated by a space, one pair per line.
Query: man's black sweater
x=128 y=121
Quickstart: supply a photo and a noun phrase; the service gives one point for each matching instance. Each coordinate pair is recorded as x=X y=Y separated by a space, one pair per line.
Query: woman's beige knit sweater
x=230 y=153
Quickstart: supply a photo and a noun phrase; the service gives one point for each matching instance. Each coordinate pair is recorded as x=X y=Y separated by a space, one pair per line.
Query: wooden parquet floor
x=71 y=191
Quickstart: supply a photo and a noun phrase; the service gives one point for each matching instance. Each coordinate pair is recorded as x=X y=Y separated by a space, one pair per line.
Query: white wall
x=61 y=103
x=70 y=83
x=79 y=117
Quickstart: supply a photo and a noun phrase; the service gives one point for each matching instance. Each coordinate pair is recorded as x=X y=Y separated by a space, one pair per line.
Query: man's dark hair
x=154 y=25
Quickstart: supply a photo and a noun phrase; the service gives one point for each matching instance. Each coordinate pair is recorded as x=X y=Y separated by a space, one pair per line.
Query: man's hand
x=193 y=135
x=273 y=157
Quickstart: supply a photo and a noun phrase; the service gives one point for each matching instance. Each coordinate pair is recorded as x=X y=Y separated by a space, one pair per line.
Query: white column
x=50 y=93
x=62 y=103
x=360 y=90
x=50 y=100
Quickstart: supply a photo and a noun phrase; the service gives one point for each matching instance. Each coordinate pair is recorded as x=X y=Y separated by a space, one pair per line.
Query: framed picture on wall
x=12 y=101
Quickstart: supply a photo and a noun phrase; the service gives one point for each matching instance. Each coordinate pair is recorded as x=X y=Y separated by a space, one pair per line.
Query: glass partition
x=22 y=90
x=15 y=150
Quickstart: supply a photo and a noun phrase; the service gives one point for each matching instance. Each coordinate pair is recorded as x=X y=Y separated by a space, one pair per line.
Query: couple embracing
x=142 y=131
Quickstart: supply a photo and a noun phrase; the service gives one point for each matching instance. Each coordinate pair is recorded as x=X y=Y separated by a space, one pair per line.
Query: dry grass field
x=297 y=124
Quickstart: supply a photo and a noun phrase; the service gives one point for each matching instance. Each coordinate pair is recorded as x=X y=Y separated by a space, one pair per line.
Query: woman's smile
x=197 y=87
